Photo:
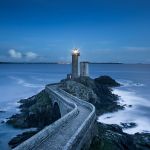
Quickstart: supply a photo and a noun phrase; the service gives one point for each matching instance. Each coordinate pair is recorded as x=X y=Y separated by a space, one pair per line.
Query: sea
x=19 y=81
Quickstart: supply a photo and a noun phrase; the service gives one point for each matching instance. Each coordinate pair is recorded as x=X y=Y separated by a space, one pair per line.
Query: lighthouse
x=75 y=55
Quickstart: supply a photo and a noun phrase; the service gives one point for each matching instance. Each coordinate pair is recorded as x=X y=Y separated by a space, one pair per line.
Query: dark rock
x=111 y=137
x=2 y=111
x=36 y=111
x=2 y=121
x=100 y=95
x=21 y=138
x=125 y=105
x=128 y=125
x=108 y=117
x=79 y=90
x=106 y=80
x=142 y=141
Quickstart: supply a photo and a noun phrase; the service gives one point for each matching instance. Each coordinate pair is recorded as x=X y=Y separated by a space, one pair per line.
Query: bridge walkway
x=59 y=139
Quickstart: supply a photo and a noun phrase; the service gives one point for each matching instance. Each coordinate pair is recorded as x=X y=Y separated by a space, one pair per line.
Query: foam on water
x=135 y=113
x=129 y=83
x=131 y=98
x=26 y=84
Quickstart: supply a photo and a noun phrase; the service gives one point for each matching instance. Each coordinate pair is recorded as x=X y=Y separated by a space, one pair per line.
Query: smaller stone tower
x=84 y=69
x=75 y=55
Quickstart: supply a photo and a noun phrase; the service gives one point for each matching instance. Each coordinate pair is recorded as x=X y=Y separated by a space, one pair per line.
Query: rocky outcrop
x=128 y=125
x=107 y=81
x=95 y=91
x=111 y=137
x=79 y=90
x=36 y=111
x=21 y=138
x=142 y=141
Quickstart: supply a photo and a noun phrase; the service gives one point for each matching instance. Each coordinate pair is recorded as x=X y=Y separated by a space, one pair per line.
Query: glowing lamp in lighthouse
x=75 y=52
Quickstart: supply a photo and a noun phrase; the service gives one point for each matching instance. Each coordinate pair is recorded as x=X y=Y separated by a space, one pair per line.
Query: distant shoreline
x=28 y=63
x=66 y=63
x=104 y=63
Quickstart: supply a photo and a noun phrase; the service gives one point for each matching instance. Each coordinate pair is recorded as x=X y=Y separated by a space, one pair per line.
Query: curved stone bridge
x=73 y=131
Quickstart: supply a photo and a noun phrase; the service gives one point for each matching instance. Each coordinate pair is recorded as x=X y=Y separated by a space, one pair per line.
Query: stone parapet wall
x=76 y=141
x=65 y=105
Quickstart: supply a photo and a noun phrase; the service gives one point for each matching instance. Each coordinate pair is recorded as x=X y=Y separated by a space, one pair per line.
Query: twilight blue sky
x=47 y=30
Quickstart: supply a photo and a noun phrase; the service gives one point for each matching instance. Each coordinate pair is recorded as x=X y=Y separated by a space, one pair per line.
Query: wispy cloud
x=15 y=54
x=31 y=55
x=130 y=48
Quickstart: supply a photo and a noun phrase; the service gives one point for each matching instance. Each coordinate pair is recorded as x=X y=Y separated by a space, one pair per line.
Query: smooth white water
x=135 y=109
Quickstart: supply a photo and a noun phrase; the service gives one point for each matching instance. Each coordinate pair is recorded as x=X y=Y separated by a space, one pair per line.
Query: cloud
x=24 y=56
x=31 y=55
x=137 y=48
x=15 y=54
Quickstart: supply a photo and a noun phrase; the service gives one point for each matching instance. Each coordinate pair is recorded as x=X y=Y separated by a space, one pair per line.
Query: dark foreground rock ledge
x=111 y=137
x=21 y=138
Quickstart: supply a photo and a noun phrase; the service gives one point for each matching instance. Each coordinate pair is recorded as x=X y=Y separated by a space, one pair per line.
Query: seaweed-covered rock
x=106 y=101
x=91 y=90
x=79 y=90
x=142 y=141
x=111 y=137
x=128 y=125
x=21 y=138
x=106 y=80
x=36 y=111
